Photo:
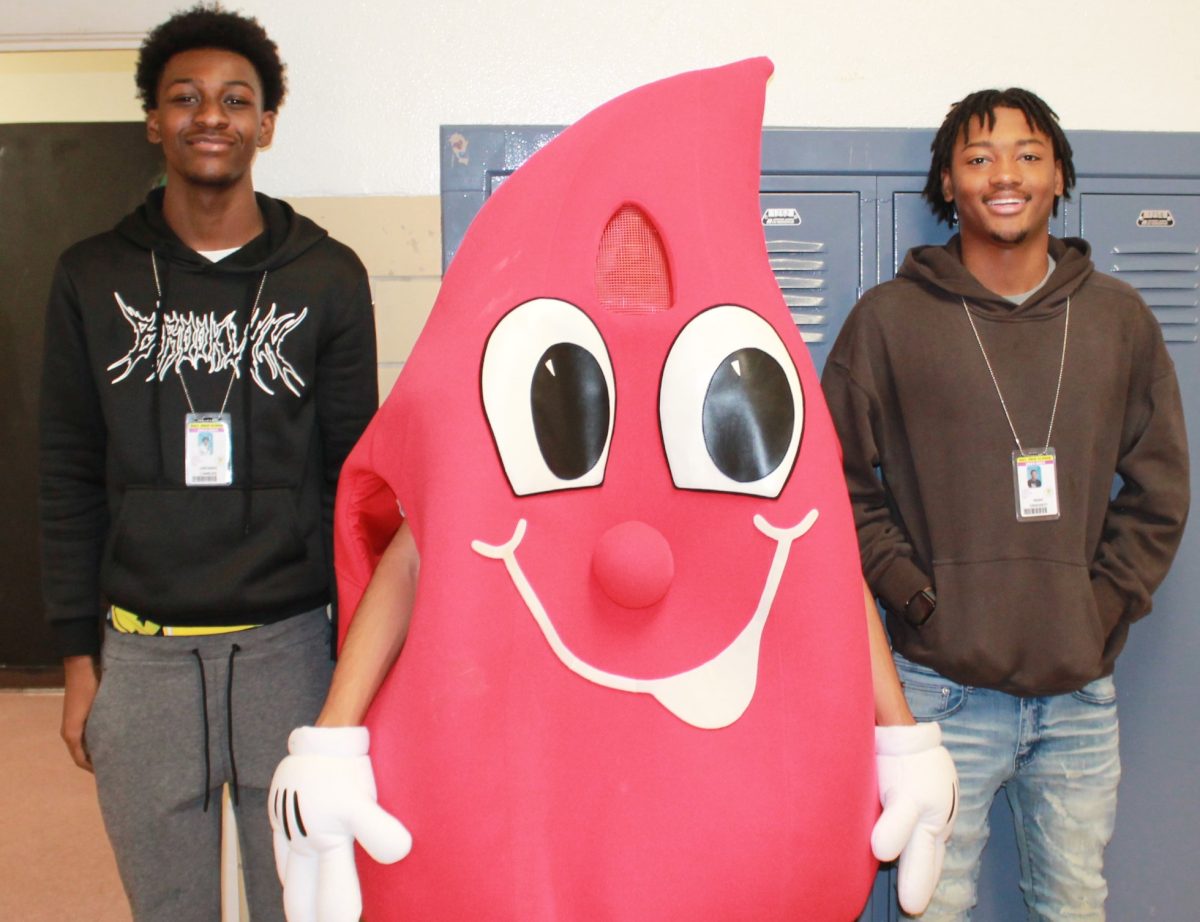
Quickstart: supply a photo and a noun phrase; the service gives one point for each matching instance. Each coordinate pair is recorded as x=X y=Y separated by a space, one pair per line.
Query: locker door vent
x=800 y=270
x=1167 y=275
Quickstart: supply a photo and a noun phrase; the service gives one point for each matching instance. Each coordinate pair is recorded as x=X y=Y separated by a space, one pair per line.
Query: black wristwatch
x=920 y=607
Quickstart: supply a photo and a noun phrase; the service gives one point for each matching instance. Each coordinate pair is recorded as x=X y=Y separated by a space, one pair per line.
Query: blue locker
x=840 y=209
x=1148 y=233
x=820 y=250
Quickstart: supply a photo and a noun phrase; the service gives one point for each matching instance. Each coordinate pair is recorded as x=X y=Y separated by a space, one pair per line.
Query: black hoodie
x=1029 y=608
x=136 y=324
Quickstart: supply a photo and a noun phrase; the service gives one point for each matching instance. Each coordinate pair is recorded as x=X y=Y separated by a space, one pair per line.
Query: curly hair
x=210 y=26
x=982 y=105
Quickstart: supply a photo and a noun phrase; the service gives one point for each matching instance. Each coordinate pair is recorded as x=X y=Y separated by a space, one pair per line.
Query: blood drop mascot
x=636 y=683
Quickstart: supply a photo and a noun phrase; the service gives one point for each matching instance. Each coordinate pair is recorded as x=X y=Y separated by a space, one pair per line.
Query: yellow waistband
x=126 y=622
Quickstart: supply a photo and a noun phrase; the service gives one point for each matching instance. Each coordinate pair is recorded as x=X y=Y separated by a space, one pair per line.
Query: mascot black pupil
x=569 y=398
x=748 y=415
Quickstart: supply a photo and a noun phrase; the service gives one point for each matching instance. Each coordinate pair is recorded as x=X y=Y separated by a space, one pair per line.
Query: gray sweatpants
x=176 y=718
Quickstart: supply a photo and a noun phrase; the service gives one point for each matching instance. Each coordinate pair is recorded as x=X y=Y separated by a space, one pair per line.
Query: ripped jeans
x=1057 y=759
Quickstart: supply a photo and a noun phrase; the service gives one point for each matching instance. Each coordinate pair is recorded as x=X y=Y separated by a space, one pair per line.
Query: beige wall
x=68 y=86
x=399 y=240
x=371 y=80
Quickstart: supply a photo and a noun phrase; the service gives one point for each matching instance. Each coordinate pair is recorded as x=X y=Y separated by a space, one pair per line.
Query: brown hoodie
x=1029 y=608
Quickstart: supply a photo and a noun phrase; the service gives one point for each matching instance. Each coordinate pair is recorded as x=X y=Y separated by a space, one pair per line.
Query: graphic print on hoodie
x=213 y=341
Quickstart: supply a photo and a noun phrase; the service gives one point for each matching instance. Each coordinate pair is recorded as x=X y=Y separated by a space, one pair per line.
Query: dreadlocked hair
x=982 y=106
x=209 y=25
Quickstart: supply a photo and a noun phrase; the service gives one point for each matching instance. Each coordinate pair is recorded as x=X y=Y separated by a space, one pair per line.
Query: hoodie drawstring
x=234 y=650
x=204 y=720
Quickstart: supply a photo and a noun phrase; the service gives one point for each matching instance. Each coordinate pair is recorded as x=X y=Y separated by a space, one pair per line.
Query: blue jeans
x=1056 y=758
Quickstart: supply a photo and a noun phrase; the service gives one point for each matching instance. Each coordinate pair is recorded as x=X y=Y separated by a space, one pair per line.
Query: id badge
x=208 y=450
x=1035 y=479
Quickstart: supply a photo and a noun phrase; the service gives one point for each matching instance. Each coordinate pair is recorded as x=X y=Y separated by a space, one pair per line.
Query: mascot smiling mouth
x=709 y=696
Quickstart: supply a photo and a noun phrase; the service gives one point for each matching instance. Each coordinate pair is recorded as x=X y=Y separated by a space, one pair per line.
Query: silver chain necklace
x=1062 y=362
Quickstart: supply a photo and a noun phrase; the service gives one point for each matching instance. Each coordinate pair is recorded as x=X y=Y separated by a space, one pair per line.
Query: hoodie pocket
x=1021 y=625
x=192 y=552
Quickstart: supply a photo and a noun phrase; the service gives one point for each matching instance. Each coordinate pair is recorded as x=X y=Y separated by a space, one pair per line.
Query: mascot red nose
x=636 y=684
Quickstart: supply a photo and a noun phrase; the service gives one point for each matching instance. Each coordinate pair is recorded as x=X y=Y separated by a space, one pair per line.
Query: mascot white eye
x=548 y=394
x=730 y=405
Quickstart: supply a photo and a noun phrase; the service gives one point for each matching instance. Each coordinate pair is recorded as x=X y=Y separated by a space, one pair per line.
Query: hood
x=941 y=267
x=286 y=236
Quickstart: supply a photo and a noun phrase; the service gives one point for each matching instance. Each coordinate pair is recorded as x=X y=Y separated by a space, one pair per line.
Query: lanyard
x=1057 y=390
x=233 y=374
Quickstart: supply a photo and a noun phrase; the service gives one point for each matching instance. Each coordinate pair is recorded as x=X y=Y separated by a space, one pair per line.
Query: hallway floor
x=55 y=861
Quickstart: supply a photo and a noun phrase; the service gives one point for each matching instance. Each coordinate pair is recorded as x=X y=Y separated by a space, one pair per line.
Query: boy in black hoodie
x=209 y=363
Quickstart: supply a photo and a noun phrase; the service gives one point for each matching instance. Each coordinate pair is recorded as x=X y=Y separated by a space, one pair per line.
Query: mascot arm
x=323 y=794
x=891 y=708
x=918 y=789
x=376 y=634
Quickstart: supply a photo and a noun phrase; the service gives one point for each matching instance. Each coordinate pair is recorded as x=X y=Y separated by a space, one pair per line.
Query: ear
x=1058 y=179
x=266 y=130
x=947 y=185
x=153 y=135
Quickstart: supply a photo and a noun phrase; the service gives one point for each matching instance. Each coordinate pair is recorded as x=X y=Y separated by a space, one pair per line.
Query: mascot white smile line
x=709 y=696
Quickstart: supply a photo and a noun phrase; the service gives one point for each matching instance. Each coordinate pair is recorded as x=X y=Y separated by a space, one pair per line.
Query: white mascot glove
x=918 y=788
x=322 y=799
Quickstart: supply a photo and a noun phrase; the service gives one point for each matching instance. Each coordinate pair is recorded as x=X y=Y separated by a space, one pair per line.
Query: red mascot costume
x=636 y=683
